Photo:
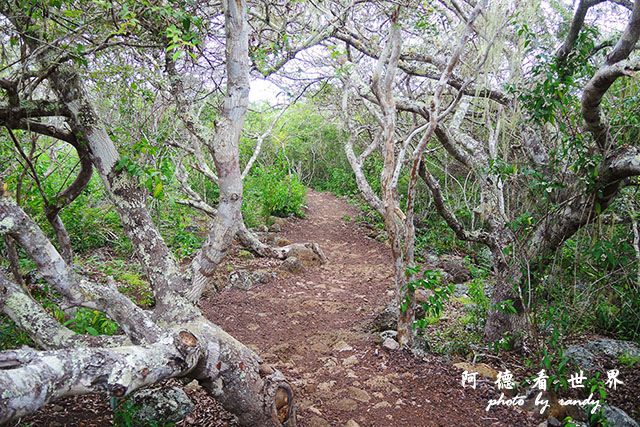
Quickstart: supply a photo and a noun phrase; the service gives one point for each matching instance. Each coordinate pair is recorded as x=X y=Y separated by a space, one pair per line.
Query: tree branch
x=117 y=371
x=77 y=291
x=448 y=215
x=574 y=30
x=46 y=331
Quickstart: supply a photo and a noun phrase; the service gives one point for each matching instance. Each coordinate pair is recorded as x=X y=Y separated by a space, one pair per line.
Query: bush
x=276 y=192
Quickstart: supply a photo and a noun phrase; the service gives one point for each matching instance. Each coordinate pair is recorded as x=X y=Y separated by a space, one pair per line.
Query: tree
x=582 y=194
x=399 y=225
x=172 y=340
x=521 y=229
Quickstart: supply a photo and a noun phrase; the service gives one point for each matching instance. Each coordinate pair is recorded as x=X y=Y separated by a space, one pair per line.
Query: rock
x=193 y=385
x=292 y=265
x=277 y=224
x=455 y=267
x=461 y=290
x=386 y=318
x=587 y=355
x=430 y=257
x=482 y=369
x=617 y=417
x=390 y=344
x=275 y=228
x=278 y=220
x=614 y=348
x=445 y=278
x=342 y=346
x=484 y=258
x=161 y=404
x=346 y=405
x=57 y=408
x=388 y=334
x=553 y=422
x=243 y=279
x=316 y=421
x=260 y=276
x=271 y=239
x=382 y=404
x=282 y=242
x=351 y=423
x=420 y=346
x=350 y=361
x=422 y=295
x=306 y=254
x=359 y=395
x=314 y=410
x=240 y=279
x=326 y=386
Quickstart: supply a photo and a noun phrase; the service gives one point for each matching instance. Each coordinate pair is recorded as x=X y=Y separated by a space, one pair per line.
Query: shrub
x=277 y=192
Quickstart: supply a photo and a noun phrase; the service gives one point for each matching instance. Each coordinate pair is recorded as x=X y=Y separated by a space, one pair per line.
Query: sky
x=263 y=90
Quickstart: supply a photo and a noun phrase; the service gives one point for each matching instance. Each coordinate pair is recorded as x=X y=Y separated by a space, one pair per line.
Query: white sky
x=263 y=90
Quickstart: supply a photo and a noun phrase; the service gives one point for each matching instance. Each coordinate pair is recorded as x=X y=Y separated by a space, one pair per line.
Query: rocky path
x=313 y=327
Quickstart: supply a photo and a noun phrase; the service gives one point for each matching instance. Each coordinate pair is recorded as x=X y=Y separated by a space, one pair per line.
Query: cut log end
x=283 y=406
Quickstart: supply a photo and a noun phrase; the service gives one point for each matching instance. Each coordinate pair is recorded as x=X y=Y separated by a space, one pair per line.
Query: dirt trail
x=313 y=328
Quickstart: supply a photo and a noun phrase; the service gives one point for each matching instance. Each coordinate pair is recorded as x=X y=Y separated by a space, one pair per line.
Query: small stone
x=193 y=385
x=282 y=242
x=260 y=276
x=275 y=228
x=162 y=404
x=617 y=417
x=57 y=408
x=389 y=334
x=326 y=386
x=461 y=290
x=346 y=405
x=553 y=422
x=482 y=369
x=330 y=363
x=292 y=265
x=316 y=421
x=350 y=361
x=314 y=410
x=359 y=395
x=342 y=346
x=240 y=279
x=390 y=344
x=381 y=405
x=352 y=423
x=253 y=326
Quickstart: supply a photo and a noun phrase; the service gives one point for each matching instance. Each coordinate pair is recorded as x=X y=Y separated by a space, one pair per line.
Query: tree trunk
x=506 y=318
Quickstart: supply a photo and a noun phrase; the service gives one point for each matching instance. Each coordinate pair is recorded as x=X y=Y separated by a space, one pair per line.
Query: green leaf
x=158 y=190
